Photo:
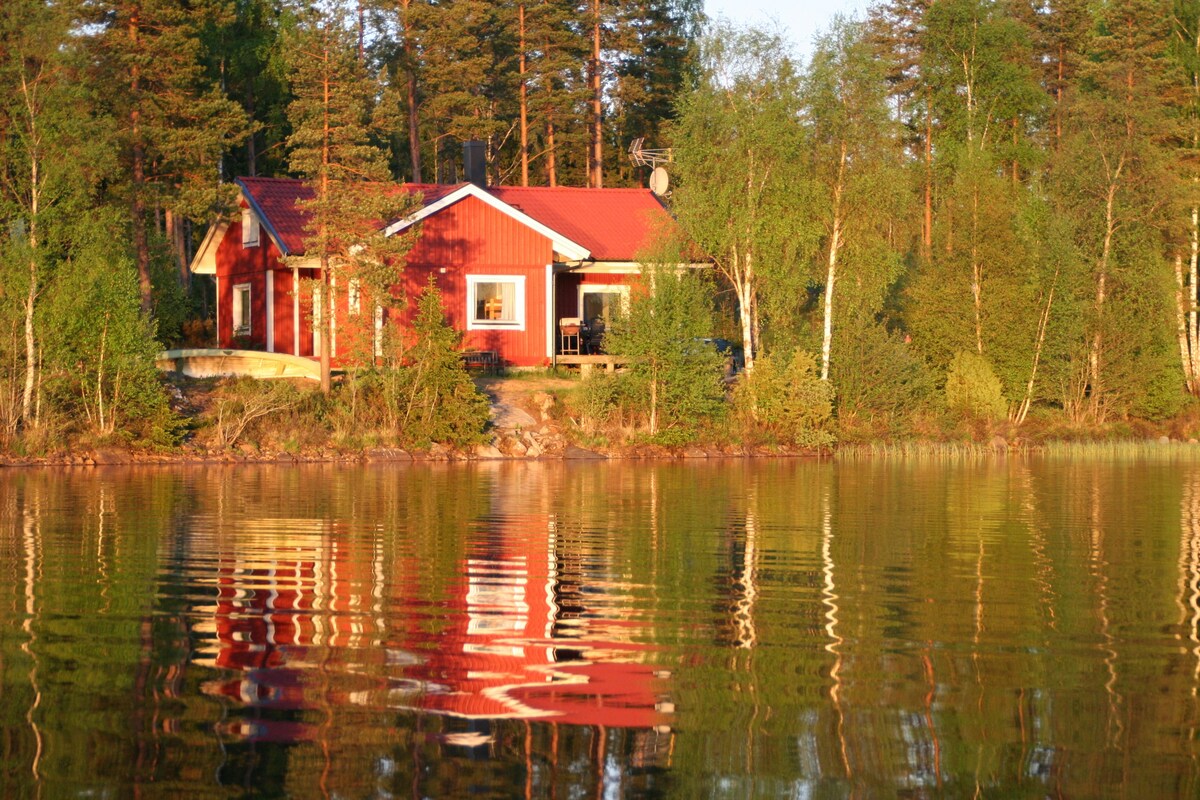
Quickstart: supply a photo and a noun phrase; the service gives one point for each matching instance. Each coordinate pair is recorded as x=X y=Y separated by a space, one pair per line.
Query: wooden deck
x=588 y=363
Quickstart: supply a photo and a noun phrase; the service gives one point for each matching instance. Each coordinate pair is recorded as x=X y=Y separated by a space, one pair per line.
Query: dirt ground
x=511 y=397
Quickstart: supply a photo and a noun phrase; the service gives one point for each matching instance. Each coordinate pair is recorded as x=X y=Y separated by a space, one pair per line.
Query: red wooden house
x=511 y=263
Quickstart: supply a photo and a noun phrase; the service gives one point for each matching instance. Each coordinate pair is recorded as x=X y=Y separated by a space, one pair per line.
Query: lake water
x=1016 y=628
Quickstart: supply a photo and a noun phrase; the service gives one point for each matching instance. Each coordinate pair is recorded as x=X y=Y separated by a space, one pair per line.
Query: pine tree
x=1114 y=175
x=173 y=125
x=331 y=149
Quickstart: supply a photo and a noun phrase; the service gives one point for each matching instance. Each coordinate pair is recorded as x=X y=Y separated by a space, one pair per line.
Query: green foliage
x=785 y=398
x=878 y=375
x=972 y=388
x=676 y=373
x=430 y=397
x=99 y=348
x=744 y=196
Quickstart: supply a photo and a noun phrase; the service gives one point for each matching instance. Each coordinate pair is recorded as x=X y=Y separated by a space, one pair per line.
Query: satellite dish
x=660 y=182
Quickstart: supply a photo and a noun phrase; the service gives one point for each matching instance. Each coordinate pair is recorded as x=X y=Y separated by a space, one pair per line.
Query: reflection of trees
x=921 y=628
x=1189 y=567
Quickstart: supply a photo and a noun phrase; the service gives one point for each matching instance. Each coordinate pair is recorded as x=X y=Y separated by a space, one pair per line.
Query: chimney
x=475 y=163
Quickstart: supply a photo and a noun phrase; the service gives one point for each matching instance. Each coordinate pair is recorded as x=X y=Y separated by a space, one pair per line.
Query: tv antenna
x=642 y=157
x=660 y=182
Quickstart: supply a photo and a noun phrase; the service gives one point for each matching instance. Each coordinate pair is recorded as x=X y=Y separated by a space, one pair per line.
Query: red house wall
x=473 y=238
x=237 y=265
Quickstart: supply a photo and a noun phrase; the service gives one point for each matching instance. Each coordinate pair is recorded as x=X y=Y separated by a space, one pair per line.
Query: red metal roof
x=614 y=224
x=275 y=199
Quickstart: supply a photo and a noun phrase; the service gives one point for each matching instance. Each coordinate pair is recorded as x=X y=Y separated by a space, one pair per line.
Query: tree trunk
x=835 y=242
x=1039 y=342
x=1181 y=327
x=1193 y=318
x=1094 y=352
x=976 y=270
x=653 y=400
x=35 y=200
x=251 y=152
x=524 y=95
x=551 y=163
x=414 y=131
x=30 y=307
x=325 y=320
x=137 y=199
x=174 y=224
x=596 y=156
x=927 y=219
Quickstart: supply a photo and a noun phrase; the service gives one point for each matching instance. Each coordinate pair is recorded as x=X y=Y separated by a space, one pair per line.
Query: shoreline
x=492 y=453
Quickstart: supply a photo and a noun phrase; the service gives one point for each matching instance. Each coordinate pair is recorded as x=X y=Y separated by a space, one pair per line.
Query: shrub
x=674 y=373
x=238 y=403
x=785 y=398
x=430 y=396
x=972 y=388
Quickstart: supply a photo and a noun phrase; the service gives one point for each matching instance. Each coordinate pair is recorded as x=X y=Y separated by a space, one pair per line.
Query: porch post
x=270 y=311
x=295 y=311
x=551 y=344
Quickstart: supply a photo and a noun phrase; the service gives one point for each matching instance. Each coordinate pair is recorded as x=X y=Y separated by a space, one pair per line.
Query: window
x=599 y=303
x=241 y=309
x=354 y=297
x=496 y=301
x=249 y=228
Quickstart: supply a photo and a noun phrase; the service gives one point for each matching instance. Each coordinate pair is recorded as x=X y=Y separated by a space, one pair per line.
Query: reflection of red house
x=511 y=262
x=302 y=621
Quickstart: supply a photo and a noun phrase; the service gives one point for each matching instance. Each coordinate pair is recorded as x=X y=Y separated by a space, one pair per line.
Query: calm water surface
x=1015 y=628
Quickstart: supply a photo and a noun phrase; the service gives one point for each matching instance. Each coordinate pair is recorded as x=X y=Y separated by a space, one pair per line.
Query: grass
x=919 y=451
x=1115 y=450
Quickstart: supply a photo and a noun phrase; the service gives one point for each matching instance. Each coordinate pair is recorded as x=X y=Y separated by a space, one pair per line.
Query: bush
x=429 y=396
x=972 y=388
x=784 y=398
x=674 y=373
x=239 y=403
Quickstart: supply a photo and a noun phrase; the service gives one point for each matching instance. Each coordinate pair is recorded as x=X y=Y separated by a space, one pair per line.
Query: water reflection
x=1008 y=627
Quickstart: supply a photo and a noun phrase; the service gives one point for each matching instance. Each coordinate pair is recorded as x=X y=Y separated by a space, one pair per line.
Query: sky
x=800 y=19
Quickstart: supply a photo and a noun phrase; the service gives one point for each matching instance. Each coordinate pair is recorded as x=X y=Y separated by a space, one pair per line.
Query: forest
x=956 y=218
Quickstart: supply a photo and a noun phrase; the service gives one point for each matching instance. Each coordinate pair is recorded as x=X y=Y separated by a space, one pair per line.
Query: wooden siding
x=472 y=233
x=472 y=238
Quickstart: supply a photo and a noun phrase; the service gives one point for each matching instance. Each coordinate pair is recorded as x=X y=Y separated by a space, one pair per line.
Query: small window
x=241 y=309
x=249 y=228
x=354 y=297
x=496 y=301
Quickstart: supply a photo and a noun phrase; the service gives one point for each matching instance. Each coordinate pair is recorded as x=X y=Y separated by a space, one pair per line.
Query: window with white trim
x=354 y=297
x=600 y=302
x=496 y=302
x=241 y=309
x=249 y=228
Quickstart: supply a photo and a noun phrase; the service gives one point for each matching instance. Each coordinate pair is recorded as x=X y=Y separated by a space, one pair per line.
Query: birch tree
x=744 y=191
x=855 y=162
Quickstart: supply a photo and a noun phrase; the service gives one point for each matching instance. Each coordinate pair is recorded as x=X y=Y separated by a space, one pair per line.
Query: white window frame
x=601 y=288
x=354 y=297
x=250 y=229
x=515 y=324
x=242 y=308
